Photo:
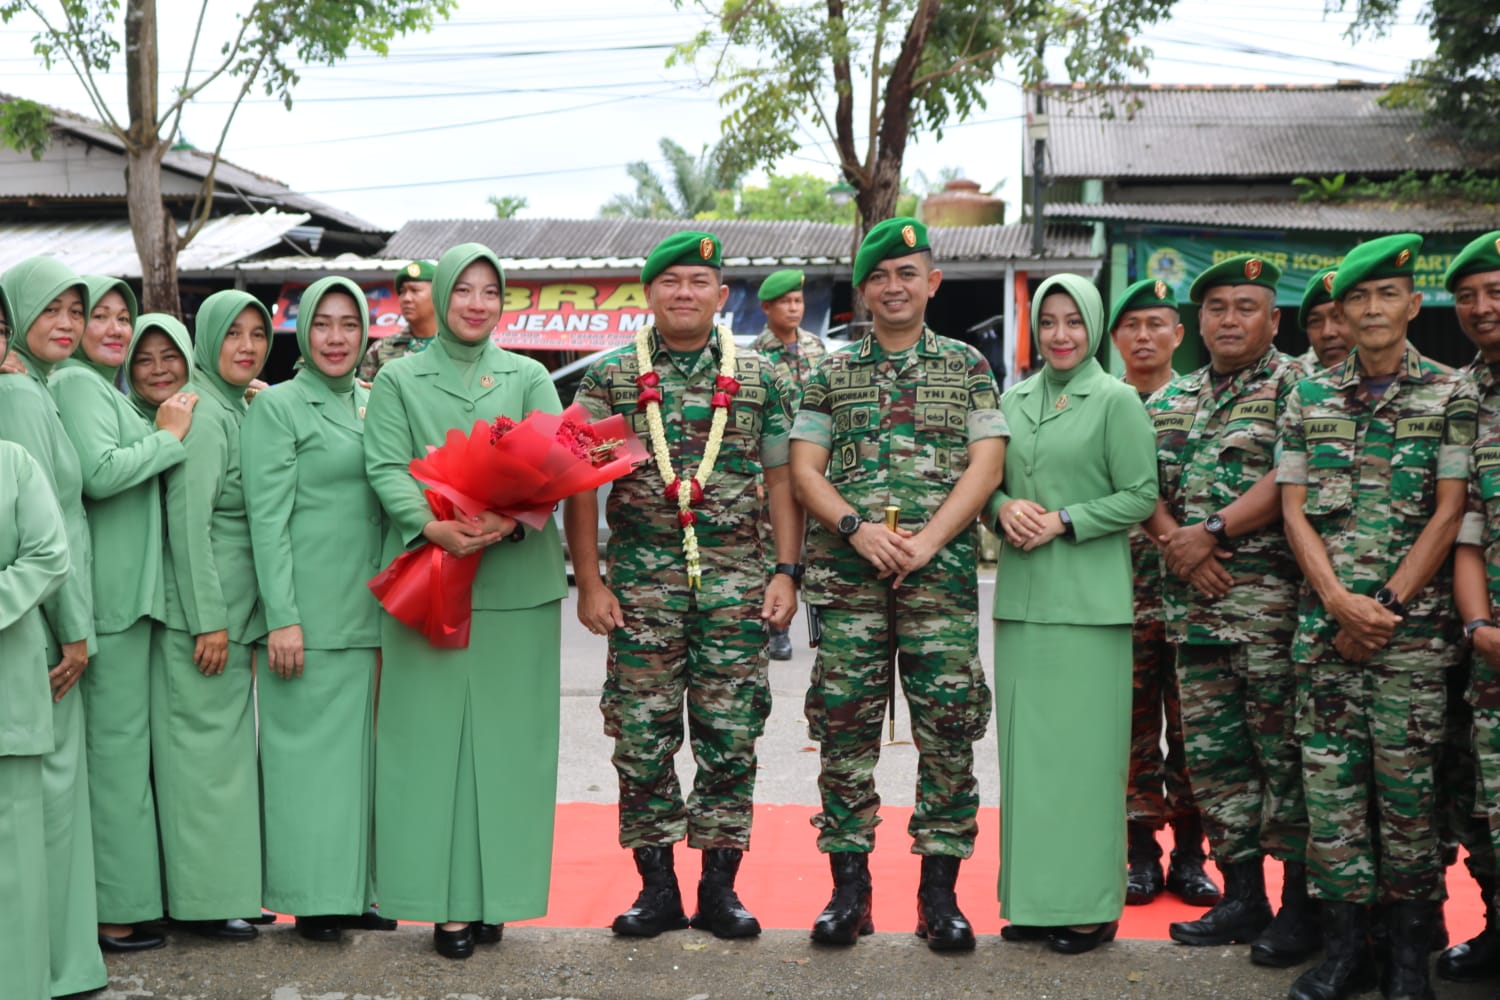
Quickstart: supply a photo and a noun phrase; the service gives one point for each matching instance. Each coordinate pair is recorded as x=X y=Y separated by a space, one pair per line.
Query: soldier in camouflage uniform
x=1373 y=459
x=1470 y=761
x=1229 y=603
x=414 y=290
x=793 y=352
x=1327 y=336
x=1145 y=328
x=910 y=419
x=685 y=603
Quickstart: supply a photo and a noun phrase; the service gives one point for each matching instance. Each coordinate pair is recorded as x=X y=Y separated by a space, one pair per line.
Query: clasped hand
x=1365 y=626
x=1192 y=554
x=467 y=535
x=896 y=554
x=1028 y=525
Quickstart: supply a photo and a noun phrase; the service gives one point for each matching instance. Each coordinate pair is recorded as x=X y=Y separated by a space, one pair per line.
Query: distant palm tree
x=690 y=187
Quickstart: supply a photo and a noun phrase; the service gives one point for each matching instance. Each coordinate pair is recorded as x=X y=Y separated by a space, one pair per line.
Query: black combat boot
x=1143 y=879
x=659 y=906
x=939 y=919
x=1240 y=916
x=719 y=909
x=1409 y=924
x=1297 y=931
x=1347 y=967
x=1186 y=878
x=1479 y=957
x=847 y=914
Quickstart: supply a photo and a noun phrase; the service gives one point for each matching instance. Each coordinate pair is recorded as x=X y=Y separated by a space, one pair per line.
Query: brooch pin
x=486 y=380
x=1062 y=403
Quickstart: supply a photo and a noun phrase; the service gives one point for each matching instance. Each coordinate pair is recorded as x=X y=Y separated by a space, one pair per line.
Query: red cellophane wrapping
x=521 y=470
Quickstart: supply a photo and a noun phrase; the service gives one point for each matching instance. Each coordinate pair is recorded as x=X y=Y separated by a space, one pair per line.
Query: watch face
x=848 y=524
x=1215 y=523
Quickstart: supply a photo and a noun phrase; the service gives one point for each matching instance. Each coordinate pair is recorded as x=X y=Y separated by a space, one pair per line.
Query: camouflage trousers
x=716 y=660
x=1158 y=790
x=1370 y=735
x=1238 y=710
x=1482 y=700
x=949 y=705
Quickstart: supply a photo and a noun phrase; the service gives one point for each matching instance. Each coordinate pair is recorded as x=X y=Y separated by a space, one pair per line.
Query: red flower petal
x=671 y=491
x=697 y=493
x=648 y=395
x=649 y=380
x=686 y=518
x=721 y=400
x=727 y=384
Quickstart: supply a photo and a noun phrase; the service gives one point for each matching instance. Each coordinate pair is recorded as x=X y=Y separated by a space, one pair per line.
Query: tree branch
x=174 y=110
x=187 y=74
x=843 y=87
x=958 y=64
x=203 y=203
x=84 y=73
x=873 y=126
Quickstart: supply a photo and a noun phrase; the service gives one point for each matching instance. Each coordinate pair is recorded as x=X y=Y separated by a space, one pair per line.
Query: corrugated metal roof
x=108 y=247
x=1290 y=215
x=618 y=243
x=1252 y=131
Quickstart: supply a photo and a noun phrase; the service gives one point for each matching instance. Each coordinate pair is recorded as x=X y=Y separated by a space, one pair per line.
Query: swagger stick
x=892 y=522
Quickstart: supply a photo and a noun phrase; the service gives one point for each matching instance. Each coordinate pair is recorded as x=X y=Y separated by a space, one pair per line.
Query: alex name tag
x=1330 y=429
x=1419 y=427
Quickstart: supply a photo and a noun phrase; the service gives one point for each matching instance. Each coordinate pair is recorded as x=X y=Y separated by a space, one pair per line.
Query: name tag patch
x=1172 y=422
x=1419 y=427
x=1330 y=429
x=1255 y=409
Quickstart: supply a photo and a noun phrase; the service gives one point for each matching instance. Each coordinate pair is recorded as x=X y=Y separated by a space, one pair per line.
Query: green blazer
x=120 y=454
x=414 y=402
x=1097 y=458
x=316 y=526
x=33 y=565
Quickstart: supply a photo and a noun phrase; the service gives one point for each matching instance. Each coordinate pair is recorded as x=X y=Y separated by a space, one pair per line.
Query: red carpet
x=784 y=880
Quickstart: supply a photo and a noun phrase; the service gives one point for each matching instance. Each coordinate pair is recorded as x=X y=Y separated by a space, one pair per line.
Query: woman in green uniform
x=1079 y=472
x=120 y=453
x=202 y=717
x=316 y=527
x=46 y=303
x=160 y=357
x=33 y=565
x=466 y=754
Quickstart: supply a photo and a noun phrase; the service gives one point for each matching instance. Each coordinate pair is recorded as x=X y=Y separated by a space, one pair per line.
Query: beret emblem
x=1328 y=282
x=1160 y=289
x=1402 y=258
x=908 y=236
x=1252 y=268
x=706 y=248
x=413 y=270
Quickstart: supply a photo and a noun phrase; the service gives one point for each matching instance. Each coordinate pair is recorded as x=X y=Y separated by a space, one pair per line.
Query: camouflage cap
x=1241 y=269
x=702 y=249
x=417 y=270
x=1148 y=293
x=896 y=237
x=1385 y=257
x=1319 y=290
x=1483 y=254
x=778 y=283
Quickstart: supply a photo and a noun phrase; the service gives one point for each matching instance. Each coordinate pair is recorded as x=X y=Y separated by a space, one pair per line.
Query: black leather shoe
x=719 y=908
x=1143 y=879
x=1240 y=916
x=1297 y=930
x=847 y=915
x=779 y=644
x=1186 y=878
x=222 y=930
x=370 y=920
x=939 y=919
x=659 y=906
x=1067 y=941
x=453 y=944
x=136 y=940
x=1017 y=933
x=488 y=933
x=319 y=928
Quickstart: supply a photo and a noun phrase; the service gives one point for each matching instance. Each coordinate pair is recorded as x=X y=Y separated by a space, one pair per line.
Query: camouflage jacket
x=794 y=362
x=387 y=349
x=898 y=431
x=1371 y=468
x=1146 y=570
x=1212 y=445
x=646 y=563
x=1481 y=525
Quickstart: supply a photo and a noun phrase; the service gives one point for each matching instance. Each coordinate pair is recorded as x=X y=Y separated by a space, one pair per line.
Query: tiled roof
x=1250 y=131
x=625 y=242
x=1372 y=218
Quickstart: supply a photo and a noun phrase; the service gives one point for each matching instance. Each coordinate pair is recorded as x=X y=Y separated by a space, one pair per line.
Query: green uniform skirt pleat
x=117 y=705
x=1062 y=710
x=72 y=913
x=317 y=774
x=466 y=769
x=207 y=787
x=25 y=972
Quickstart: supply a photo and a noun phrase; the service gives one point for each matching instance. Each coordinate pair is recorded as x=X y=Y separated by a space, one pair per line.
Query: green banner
x=1177 y=260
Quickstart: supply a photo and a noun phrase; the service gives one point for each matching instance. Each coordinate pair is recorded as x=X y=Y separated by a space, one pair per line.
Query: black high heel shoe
x=1067 y=941
x=453 y=944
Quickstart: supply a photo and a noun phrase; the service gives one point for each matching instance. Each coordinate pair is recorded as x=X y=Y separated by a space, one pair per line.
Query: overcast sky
x=550 y=100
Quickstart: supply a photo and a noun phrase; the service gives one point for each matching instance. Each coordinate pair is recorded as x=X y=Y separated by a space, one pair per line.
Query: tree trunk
x=151 y=225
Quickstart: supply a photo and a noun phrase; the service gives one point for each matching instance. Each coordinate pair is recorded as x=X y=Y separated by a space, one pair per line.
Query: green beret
x=778 y=283
x=1241 y=269
x=1148 y=293
x=1319 y=290
x=1479 y=256
x=898 y=237
x=701 y=249
x=1385 y=257
x=417 y=270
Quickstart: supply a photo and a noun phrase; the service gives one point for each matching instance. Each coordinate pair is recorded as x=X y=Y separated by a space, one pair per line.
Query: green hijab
x=5 y=315
x=100 y=285
x=305 y=309
x=449 y=267
x=29 y=288
x=176 y=332
x=215 y=316
x=1086 y=297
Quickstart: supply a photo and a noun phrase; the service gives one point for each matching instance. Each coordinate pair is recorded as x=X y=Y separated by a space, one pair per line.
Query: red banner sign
x=583 y=315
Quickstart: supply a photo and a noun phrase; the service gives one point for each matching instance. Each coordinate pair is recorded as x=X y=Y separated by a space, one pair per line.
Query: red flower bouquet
x=521 y=470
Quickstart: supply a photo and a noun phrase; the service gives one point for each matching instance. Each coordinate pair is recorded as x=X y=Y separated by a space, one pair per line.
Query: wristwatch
x=517 y=535
x=1474 y=626
x=1067 y=522
x=1214 y=525
x=793 y=570
x=849 y=524
x=1386 y=598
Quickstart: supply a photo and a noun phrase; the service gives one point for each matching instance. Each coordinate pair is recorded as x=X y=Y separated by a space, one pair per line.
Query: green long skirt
x=117 y=705
x=1062 y=711
x=207 y=786
x=466 y=769
x=317 y=773
x=24 y=947
x=72 y=912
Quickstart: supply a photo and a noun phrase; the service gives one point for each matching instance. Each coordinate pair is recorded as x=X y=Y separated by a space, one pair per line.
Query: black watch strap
x=1474 y=626
x=1067 y=522
x=518 y=534
x=793 y=570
